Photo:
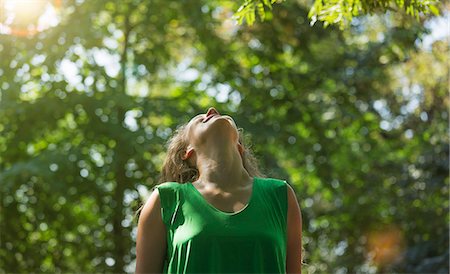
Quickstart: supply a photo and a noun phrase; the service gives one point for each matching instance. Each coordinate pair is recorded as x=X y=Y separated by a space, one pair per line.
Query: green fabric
x=203 y=239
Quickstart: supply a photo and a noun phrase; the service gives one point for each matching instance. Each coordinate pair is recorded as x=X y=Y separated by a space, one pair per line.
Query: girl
x=214 y=212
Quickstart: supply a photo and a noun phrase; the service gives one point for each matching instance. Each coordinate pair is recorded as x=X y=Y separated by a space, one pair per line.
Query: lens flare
x=385 y=245
x=28 y=17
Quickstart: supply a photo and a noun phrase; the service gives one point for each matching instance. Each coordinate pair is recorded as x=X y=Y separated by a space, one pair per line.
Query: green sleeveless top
x=204 y=239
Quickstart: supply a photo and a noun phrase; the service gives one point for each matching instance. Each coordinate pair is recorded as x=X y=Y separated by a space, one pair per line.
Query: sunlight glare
x=28 y=17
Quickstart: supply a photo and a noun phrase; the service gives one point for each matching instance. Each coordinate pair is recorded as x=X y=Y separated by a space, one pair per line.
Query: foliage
x=355 y=119
x=250 y=8
x=339 y=12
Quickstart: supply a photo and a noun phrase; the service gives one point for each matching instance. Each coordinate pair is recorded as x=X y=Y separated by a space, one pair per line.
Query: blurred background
x=355 y=119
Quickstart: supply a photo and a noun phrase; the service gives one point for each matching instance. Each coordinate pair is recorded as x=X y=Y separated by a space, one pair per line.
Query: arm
x=151 y=237
x=294 y=234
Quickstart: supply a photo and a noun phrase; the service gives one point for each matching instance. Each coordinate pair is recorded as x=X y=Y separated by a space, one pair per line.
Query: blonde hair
x=175 y=169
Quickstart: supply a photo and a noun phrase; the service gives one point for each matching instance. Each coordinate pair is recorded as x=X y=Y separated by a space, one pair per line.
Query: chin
x=225 y=121
x=221 y=127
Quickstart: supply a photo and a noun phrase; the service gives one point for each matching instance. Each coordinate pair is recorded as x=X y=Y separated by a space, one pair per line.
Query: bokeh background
x=355 y=118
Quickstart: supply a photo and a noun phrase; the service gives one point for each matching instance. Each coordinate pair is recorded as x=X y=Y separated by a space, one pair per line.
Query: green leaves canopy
x=338 y=12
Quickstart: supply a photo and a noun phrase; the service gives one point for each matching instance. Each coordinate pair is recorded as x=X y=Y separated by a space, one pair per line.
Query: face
x=210 y=125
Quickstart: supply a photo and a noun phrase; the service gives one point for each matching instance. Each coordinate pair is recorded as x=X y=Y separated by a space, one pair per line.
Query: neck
x=222 y=166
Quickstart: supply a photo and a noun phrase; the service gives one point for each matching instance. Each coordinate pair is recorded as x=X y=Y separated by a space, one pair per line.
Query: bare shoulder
x=294 y=234
x=151 y=237
x=291 y=192
x=292 y=198
x=151 y=208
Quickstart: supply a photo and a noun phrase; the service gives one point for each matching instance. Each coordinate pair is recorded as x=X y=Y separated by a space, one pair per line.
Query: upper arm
x=151 y=237
x=294 y=234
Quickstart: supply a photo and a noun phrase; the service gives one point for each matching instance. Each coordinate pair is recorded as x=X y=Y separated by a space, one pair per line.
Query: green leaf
x=261 y=12
x=434 y=10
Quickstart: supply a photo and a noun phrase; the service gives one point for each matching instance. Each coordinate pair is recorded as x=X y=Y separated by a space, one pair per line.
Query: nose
x=211 y=111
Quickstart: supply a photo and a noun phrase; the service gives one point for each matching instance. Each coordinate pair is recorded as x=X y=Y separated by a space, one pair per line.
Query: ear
x=240 y=149
x=187 y=154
